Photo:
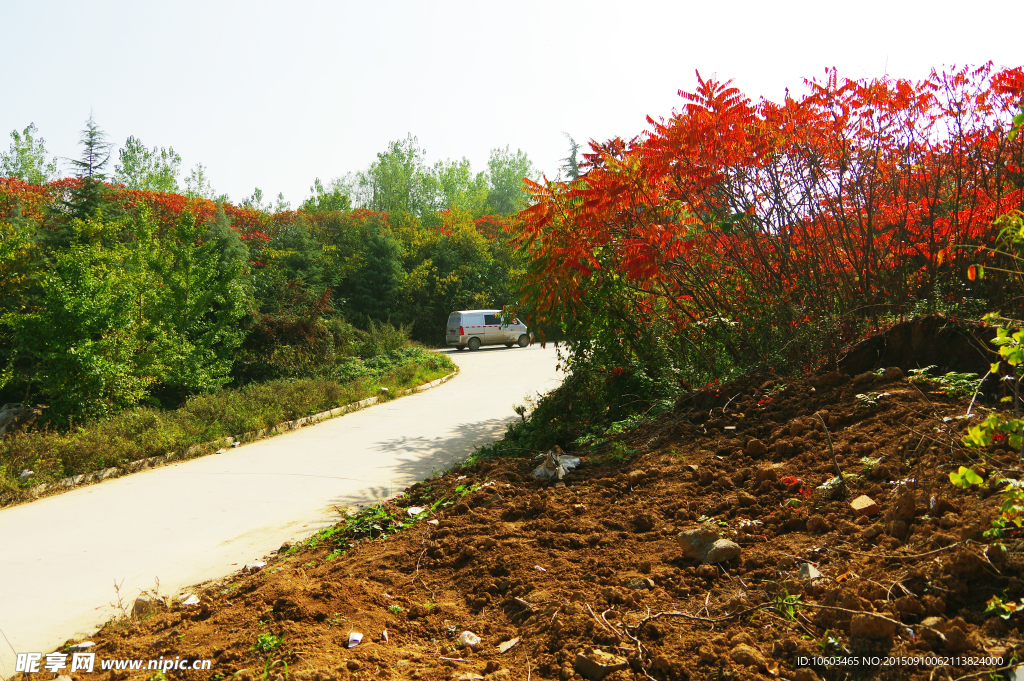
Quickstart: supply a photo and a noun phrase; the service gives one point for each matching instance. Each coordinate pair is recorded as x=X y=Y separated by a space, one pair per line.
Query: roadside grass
x=144 y=432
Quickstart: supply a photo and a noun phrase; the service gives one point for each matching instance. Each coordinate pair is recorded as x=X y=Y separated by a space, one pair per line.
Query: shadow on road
x=421 y=457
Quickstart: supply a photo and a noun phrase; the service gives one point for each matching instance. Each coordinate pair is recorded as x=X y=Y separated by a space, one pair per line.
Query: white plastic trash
x=354 y=639
x=468 y=639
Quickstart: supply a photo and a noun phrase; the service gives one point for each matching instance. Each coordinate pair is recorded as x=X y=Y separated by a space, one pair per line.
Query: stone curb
x=214 y=447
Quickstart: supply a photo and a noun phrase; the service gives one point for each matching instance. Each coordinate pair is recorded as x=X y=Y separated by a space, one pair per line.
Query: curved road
x=205 y=518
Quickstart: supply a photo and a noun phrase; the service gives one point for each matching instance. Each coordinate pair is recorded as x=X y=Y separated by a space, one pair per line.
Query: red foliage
x=850 y=199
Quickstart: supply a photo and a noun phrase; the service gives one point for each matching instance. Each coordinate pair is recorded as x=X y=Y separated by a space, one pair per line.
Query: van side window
x=491 y=320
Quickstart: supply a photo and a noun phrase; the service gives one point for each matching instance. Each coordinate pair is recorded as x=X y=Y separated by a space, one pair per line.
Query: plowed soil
x=592 y=565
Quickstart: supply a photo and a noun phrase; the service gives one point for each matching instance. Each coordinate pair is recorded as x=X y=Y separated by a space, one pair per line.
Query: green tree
x=571 y=167
x=256 y=201
x=458 y=188
x=197 y=184
x=373 y=290
x=323 y=199
x=506 y=171
x=153 y=169
x=87 y=197
x=19 y=265
x=394 y=183
x=87 y=338
x=26 y=159
x=203 y=297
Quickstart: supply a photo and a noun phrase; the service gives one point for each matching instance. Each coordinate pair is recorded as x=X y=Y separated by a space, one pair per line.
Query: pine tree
x=86 y=199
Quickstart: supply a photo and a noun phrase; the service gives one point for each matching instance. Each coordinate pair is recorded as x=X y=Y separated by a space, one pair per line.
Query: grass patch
x=144 y=432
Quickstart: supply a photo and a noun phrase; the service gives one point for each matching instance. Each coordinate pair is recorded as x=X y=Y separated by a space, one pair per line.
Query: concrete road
x=202 y=519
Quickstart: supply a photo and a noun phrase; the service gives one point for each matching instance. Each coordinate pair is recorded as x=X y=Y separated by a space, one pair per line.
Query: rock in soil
x=872 y=626
x=704 y=544
x=864 y=505
x=598 y=664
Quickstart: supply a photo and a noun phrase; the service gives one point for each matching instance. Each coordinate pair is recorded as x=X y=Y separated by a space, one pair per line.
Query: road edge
x=218 y=446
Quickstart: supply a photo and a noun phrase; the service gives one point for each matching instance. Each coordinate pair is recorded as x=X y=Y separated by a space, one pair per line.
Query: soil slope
x=589 y=571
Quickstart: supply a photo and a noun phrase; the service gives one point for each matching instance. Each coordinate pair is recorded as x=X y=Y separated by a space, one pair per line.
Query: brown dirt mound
x=948 y=344
x=589 y=572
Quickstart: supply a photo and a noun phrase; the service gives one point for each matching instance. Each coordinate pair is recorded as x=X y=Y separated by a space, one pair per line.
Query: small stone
x=808 y=572
x=353 y=665
x=938 y=505
x=644 y=522
x=864 y=505
x=817 y=524
x=805 y=674
x=598 y=664
x=145 y=604
x=748 y=656
x=703 y=544
x=956 y=640
x=468 y=639
x=756 y=448
x=645 y=566
x=892 y=374
x=746 y=499
x=872 y=626
x=721 y=551
x=507 y=645
x=786 y=562
x=872 y=532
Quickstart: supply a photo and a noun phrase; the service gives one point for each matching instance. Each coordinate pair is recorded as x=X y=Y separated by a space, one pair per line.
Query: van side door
x=474 y=324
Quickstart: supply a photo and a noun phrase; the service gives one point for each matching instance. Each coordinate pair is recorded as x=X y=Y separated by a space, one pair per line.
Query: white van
x=473 y=328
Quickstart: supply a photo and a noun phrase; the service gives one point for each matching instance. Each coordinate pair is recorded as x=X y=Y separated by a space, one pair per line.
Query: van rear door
x=451 y=335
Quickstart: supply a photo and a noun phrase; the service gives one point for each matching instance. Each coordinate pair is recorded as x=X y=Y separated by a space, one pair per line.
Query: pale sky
x=275 y=94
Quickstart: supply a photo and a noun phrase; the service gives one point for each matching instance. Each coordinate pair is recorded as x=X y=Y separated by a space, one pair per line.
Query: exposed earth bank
x=588 y=578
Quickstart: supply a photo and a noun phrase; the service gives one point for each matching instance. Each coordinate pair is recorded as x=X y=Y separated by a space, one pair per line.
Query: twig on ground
x=978 y=392
x=706 y=620
x=417 y=574
x=832 y=451
x=987 y=671
x=891 y=556
x=594 y=615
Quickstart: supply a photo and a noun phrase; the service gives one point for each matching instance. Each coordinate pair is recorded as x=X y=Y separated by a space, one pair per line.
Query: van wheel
x=523 y=341
x=474 y=344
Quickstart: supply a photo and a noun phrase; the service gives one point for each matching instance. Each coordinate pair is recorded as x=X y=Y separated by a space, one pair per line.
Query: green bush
x=143 y=432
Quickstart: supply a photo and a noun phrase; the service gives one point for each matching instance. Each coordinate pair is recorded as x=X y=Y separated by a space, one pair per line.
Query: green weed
x=953 y=383
x=267 y=643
